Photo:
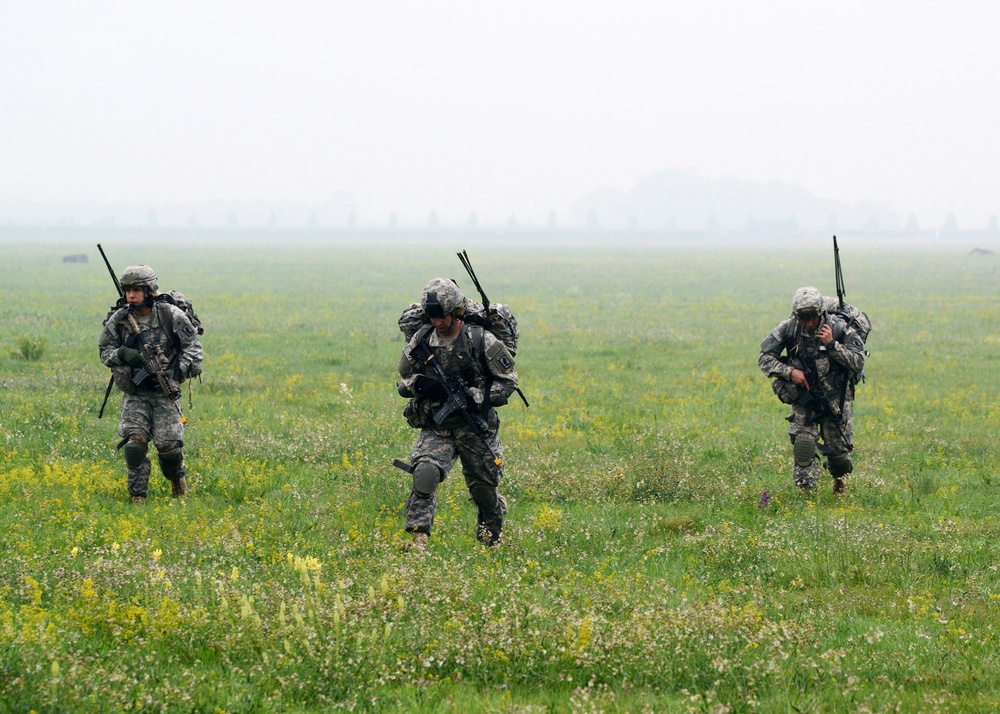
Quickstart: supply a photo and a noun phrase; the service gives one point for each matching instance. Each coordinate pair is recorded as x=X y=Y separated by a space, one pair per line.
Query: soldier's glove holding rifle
x=427 y=387
x=477 y=396
x=131 y=357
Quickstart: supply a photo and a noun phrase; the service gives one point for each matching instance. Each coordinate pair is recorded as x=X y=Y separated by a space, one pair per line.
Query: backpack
x=499 y=320
x=175 y=298
x=856 y=320
x=180 y=300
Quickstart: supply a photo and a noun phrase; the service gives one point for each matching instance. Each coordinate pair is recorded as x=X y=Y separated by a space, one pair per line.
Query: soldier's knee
x=484 y=496
x=426 y=477
x=840 y=465
x=804 y=449
x=171 y=456
x=135 y=451
x=167 y=447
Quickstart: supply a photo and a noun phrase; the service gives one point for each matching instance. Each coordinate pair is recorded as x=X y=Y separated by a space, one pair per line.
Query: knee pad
x=135 y=453
x=168 y=446
x=840 y=465
x=426 y=477
x=804 y=449
x=172 y=462
x=484 y=496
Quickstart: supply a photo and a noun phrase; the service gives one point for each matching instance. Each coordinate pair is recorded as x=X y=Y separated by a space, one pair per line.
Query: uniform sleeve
x=108 y=343
x=770 y=361
x=847 y=349
x=191 y=352
x=405 y=367
x=501 y=367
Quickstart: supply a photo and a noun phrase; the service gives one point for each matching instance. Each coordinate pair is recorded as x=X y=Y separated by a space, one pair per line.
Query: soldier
x=480 y=370
x=815 y=359
x=149 y=412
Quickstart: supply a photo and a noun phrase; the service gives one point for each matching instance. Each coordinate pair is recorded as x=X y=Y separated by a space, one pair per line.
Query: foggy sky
x=499 y=108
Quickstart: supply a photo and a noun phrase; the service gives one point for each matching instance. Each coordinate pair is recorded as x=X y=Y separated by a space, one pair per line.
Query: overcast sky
x=501 y=107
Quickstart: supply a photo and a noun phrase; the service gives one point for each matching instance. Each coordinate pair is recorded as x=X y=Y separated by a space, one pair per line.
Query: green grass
x=638 y=572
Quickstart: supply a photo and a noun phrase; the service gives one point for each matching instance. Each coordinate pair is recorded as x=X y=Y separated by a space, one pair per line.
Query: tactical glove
x=427 y=387
x=498 y=395
x=130 y=356
x=404 y=387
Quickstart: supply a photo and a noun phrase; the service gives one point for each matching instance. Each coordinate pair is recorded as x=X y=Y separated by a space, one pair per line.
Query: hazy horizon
x=519 y=109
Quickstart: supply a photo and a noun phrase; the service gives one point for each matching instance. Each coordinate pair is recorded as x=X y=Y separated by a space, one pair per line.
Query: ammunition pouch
x=122 y=375
x=418 y=414
x=785 y=390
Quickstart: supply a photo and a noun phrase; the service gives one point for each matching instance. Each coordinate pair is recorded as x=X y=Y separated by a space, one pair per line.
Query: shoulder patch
x=497 y=354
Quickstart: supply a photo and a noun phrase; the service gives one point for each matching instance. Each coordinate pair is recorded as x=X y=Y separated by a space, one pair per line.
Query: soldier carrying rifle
x=815 y=357
x=455 y=375
x=151 y=347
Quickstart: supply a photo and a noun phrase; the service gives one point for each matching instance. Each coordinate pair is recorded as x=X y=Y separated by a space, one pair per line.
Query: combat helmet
x=442 y=297
x=139 y=276
x=807 y=303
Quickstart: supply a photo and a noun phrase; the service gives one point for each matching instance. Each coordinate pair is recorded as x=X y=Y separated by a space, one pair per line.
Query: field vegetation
x=657 y=556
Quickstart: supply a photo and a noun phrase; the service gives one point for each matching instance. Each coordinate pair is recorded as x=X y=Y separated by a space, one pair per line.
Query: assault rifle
x=155 y=363
x=486 y=320
x=830 y=410
x=458 y=398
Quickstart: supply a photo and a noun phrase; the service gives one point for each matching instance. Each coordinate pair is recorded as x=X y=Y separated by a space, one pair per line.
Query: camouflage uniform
x=791 y=346
x=473 y=357
x=147 y=413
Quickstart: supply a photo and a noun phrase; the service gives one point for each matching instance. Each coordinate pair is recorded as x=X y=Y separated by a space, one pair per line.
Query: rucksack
x=855 y=319
x=499 y=320
x=173 y=297
x=180 y=300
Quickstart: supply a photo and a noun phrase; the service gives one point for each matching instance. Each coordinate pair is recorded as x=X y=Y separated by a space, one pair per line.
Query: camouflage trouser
x=151 y=417
x=441 y=447
x=835 y=440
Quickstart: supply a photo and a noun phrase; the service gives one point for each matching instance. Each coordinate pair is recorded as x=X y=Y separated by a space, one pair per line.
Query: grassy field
x=641 y=570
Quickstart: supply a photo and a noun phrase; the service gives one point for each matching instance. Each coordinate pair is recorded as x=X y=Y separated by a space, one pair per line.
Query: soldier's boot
x=492 y=507
x=179 y=487
x=489 y=528
x=138 y=469
x=419 y=543
x=840 y=465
